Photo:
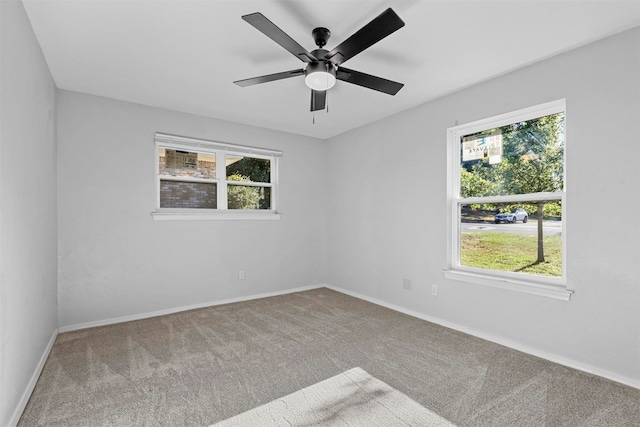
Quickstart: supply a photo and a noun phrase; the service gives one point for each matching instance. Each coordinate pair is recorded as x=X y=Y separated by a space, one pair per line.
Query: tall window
x=196 y=176
x=506 y=197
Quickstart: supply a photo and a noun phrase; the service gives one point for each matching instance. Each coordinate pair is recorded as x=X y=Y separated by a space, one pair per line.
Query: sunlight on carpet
x=352 y=398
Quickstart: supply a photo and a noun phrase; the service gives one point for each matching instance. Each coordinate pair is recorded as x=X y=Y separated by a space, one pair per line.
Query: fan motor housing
x=321 y=66
x=320 y=53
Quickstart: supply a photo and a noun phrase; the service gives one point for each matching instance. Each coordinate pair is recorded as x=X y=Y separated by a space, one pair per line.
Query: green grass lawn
x=511 y=252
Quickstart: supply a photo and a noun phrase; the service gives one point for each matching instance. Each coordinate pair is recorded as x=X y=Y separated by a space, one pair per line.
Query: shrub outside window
x=506 y=198
x=199 y=177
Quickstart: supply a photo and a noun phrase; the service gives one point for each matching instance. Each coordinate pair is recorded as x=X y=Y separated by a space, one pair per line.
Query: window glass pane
x=250 y=169
x=248 y=197
x=520 y=158
x=520 y=237
x=194 y=195
x=186 y=164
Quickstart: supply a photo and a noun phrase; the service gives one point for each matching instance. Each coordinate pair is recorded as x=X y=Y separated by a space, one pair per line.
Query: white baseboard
x=631 y=382
x=24 y=399
x=146 y=315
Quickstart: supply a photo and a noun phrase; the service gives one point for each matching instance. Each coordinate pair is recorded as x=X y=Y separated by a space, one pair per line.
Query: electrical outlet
x=241 y=275
x=406 y=284
x=434 y=290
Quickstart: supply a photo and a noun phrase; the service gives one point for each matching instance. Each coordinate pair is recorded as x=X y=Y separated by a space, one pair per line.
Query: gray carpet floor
x=202 y=366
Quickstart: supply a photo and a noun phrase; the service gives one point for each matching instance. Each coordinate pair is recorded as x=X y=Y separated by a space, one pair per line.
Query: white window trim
x=531 y=284
x=220 y=150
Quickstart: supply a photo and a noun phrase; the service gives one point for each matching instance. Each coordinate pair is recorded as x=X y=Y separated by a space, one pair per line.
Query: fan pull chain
x=313 y=121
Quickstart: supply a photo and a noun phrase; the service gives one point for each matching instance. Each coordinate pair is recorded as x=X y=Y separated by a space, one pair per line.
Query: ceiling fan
x=325 y=67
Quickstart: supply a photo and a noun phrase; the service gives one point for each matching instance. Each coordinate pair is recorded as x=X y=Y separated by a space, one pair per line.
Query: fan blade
x=381 y=26
x=318 y=99
x=269 y=78
x=368 y=81
x=271 y=30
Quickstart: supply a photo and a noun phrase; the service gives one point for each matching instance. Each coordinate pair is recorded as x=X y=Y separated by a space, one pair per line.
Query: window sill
x=208 y=216
x=540 y=289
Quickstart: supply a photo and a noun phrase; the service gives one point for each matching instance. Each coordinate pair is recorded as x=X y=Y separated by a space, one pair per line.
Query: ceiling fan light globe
x=320 y=75
x=320 y=80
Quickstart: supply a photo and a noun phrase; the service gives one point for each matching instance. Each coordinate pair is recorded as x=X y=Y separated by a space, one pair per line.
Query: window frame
x=220 y=150
x=533 y=284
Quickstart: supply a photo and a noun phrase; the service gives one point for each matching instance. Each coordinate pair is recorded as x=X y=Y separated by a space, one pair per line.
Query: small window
x=506 y=198
x=197 y=178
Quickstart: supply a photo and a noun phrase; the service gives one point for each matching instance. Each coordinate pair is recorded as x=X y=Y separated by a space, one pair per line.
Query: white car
x=518 y=215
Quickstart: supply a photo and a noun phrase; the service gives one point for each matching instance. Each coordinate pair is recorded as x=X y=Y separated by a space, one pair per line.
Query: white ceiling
x=184 y=55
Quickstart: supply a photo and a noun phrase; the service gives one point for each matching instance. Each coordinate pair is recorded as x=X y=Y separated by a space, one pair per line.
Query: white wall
x=386 y=210
x=116 y=261
x=28 y=264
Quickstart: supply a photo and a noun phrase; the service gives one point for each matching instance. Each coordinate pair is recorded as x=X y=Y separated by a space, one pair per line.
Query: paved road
x=549 y=228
